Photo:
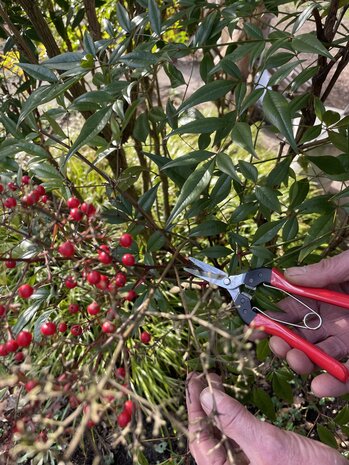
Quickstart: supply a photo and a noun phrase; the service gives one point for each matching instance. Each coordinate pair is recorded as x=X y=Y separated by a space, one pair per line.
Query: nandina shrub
x=71 y=321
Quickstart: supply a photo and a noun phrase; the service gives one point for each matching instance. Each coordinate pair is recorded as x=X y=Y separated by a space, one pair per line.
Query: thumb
x=236 y=422
x=332 y=270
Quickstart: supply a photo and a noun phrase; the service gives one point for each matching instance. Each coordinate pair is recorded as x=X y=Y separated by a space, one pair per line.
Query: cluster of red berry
x=95 y=269
x=26 y=195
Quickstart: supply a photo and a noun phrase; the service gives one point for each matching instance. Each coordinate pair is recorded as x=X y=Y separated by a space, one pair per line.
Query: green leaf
x=192 y=189
x=123 y=18
x=128 y=177
x=93 y=126
x=242 y=136
x=200 y=126
x=175 y=76
x=139 y=59
x=39 y=72
x=216 y=251
x=302 y=18
x=45 y=171
x=192 y=158
x=282 y=388
x=283 y=72
x=208 y=228
x=290 y=230
x=225 y=164
x=147 y=200
x=268 y=198
x=251 y=99
x=88 y=43
x=156 y=241
x=342 y=417
x=326 y=436
x=263 y=401
x=279 y=173
x=44 y=94
x=207 y=93
x=267 y=232
x=262 y=349
x=248 y=170
x=298 y=193
x=309 y=43
x=339 y=140
x=154 y=16
x=26 y=316
x=327 y=163
x=141 y=128
x=64 y=61
x=276 y=109
x=243 y=211
x=316 y=235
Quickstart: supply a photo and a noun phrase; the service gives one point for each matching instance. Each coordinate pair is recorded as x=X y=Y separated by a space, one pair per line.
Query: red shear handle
x=324 y=295
x=316 y=355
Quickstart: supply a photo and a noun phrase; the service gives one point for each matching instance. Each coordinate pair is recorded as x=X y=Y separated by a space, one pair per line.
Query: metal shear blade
x=214 y=275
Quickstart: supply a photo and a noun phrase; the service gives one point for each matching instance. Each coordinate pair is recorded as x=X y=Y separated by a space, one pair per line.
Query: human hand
x=223 y=432
x=333 y=336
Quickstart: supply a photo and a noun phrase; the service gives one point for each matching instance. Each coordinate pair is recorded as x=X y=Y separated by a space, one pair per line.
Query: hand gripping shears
x=257 y=319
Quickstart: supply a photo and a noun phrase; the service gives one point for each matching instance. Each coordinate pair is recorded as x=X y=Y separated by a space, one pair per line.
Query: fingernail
x=208 y=397
x=295 y=271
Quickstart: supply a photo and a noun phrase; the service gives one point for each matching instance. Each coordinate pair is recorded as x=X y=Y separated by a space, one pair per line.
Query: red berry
x=108 y=327
x=93 y=308
x=25 y=179
x=67 y=249
x=24 y=338
x=70 y=282
x=62 y=327
x=2 y=310
x=103 y=283
x=74 y=402
x=25 y=291
x=76 y=214
x=73 y=202
x=104 y=258
x=145 y=337
x=40 y=190
x=120 y=279
x=10 y=202
x=44 y=199
x=19 y=357
x=121 y=372
x=76 y=330
x=1 y=188
x=74 y=308
x=128 y=259
x=48 y=328
x=131 y=296
x=29 y=385
x=88 y=209
x=34 y=195
x=129 y=407
x=104 y=248
x=10 y=263
x=12 y=186
x=11 y=345
x=27 y=200
x=3 y=350
x=126 y=240
x=123 y=419
x=93 y=277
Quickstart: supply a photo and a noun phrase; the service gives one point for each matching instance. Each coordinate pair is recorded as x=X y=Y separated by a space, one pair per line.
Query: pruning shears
x=237 y=286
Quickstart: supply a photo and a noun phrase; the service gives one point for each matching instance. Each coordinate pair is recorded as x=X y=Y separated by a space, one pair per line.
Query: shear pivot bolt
x=226 y=281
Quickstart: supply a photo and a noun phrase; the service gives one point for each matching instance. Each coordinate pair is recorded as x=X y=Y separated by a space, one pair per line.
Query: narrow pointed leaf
x=225 y=164
x=207 y=93
x=91 y=128
x=39 y=72
x=154 y=17
x=309 y=43
x=192 y=189
x=276 y=109
x=123 y=18
x=242 y=136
